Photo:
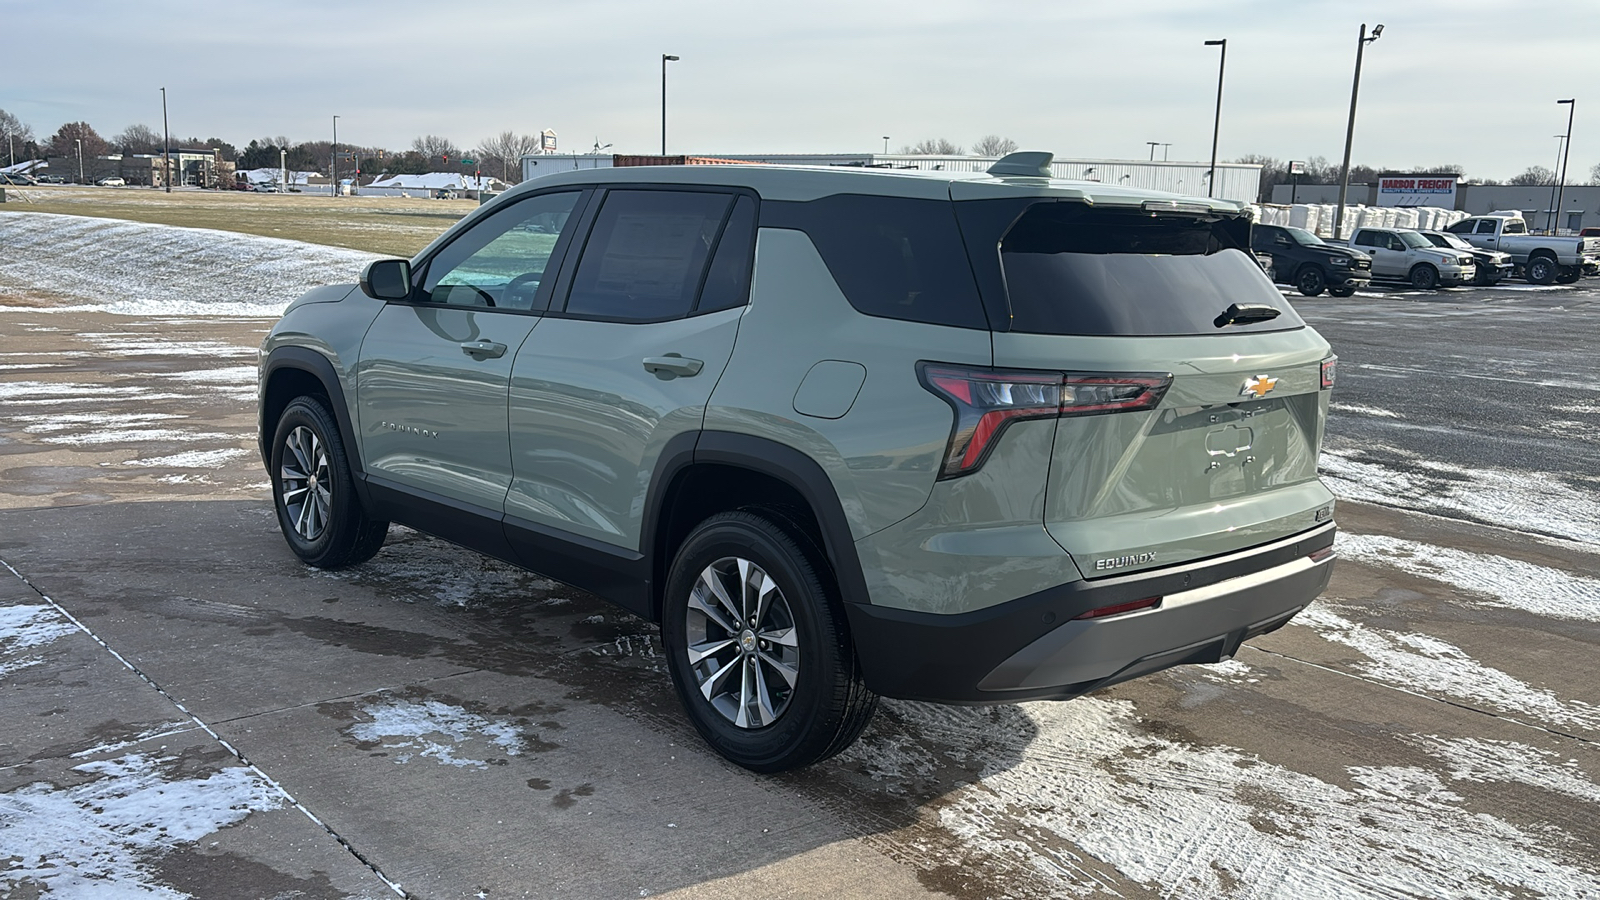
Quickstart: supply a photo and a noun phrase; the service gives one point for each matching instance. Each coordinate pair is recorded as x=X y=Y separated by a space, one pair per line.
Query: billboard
x=1417 y=190
x=547 y=141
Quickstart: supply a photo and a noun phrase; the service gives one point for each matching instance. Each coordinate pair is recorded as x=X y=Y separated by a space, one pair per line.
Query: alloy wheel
x=742 y=645
x=305 y=483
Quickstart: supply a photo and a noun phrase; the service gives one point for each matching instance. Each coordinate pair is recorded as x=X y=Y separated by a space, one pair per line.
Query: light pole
x=283 y=168
x=886 y=145
x=166 y=145
x=334 y=162
x=1350 y=129
x=79 y=142
x=1572 y=106
x=664 y=60
x=1153 y=146
x=1222 y=64
x=1164 y=152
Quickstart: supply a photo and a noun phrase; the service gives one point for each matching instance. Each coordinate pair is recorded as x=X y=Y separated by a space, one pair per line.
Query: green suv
x=965 y=438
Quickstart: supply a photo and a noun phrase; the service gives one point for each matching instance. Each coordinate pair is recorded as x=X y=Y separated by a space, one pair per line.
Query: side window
x=500 y=261
x=1366 y=239
x=896 y=257
x=728 y=281
x=1395 y=243
x=1264 y=238
x=646 y=254
x=1512 y=227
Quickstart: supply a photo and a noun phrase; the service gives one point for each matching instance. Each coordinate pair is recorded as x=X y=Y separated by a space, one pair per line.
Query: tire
x=1310 y=281
x=1424 y=277
x=1485 y=279
x=1569 y=275
x=1348 y=290
x=1542 y=270
x=785 y=692
x=314 y=493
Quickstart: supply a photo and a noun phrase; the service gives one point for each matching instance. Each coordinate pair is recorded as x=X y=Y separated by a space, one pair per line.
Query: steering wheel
x=511 y=295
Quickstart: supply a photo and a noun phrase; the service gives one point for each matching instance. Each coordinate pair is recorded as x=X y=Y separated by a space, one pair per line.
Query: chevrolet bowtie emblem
x=1258 y=386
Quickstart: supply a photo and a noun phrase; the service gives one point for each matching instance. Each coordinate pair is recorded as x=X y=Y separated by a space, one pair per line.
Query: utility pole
x=664 y=60
x=334 y=162
x=1222 y=65
x=1350 y=129
x=166 y=144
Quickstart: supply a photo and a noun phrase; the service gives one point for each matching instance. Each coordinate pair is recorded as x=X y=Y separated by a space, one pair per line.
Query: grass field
x=394 y=226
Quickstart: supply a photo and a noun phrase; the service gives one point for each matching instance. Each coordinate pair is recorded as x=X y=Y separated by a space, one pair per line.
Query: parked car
x=1492 y=265
x=51 y=179
x=1593 y=231
x=1541 y=259
x=1402 y=254
x=111 y=181
x=884 y=461
x=17 y=178
x=1311 y=264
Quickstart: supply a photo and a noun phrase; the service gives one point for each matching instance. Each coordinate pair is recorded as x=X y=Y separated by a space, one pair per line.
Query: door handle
x=671 y=365
x=483 y=349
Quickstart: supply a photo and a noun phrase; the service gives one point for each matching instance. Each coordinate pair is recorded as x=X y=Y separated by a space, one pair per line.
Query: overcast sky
x=1451 y=81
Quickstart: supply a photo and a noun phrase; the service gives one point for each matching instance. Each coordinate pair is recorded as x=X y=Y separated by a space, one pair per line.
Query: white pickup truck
x=1402 y=254
x=1541 y=259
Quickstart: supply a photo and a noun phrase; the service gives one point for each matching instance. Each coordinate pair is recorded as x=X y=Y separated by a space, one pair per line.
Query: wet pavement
x=190 y=711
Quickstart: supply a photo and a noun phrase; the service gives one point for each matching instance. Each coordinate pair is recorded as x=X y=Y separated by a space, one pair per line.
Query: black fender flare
x=321 y=368
x=773 y=459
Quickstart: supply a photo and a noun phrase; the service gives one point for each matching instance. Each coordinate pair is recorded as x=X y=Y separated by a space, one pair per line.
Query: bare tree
x=994 y=145
x=1594 y=174
x=932 y=147
x=507 y=148
x=138 y=139
x=433 y=146
x=15 y=133
x=1533 y=176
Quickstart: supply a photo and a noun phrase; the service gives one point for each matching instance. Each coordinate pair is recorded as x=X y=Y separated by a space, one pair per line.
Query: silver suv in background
x=966 y=438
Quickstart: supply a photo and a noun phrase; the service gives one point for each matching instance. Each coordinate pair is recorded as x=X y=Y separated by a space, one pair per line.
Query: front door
x=435 y=370
x=628 y=361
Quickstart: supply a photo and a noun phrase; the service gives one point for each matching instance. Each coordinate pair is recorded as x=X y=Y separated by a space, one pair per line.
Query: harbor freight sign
x=1417 y=190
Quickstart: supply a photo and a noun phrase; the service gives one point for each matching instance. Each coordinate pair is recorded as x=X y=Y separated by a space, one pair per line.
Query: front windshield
x=1451 y=240
x=1413 y=240
x=1303 y=237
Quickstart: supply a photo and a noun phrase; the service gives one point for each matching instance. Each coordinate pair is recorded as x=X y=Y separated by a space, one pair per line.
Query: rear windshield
x=1070 y=269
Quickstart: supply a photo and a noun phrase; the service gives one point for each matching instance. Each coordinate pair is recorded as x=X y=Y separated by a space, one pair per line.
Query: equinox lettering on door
x=408 y=429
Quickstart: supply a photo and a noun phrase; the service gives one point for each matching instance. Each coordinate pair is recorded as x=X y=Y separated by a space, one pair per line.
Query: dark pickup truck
x=1306 y=261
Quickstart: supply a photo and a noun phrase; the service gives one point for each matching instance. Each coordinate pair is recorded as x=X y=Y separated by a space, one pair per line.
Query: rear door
x=1228 y=457
x=642 y=327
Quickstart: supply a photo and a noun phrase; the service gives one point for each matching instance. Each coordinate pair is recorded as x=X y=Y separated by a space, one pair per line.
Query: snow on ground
x=1487 y=579
x=100 y=838
x=438 y=730
x=1535 y=502
x=1213 y=821
x=133 y=268
x=1428 y=665
x=24 y=628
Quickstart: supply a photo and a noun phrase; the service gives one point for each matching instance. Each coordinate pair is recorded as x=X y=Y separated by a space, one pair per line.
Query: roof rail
x=1026 y=163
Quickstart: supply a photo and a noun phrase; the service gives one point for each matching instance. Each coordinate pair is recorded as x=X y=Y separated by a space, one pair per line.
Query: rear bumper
x=1033 y=648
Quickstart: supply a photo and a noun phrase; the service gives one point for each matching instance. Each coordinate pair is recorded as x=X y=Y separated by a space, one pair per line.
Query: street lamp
x=79 y=142
x=1350 y=129
x=664 y=60
x=283 y=168
x=1153 y=146
x=166 y=144
x=1572 y=107
x=886 y=145
x=1211 y=183
x=334 y=162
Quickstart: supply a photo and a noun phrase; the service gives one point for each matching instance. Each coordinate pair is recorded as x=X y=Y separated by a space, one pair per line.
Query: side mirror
x=387 y=279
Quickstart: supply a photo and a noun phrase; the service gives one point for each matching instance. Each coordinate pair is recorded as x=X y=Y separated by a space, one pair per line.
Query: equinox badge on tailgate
x=1118 y=562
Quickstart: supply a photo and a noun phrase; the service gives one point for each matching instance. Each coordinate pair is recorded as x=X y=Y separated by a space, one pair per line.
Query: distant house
x=440 y=181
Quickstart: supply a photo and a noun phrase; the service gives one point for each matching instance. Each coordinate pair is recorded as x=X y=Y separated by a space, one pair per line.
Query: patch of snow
x=99 y=839
x=1075 y=786
x=24 y=628
x=437 y=730
x=192 y=459
x=106 y=263
x=63 y=422
x=1488 y=579
x=1229 y=671
x=25 y=390
x=1428 y=665
x=1475 y=759
x=14 y=366
x=131 y=435
x=1359 y=410
x=1525 y=501
x=122 y=345
x=230 y=375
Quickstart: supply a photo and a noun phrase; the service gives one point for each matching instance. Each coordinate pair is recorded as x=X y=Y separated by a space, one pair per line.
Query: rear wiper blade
x=1243 y=314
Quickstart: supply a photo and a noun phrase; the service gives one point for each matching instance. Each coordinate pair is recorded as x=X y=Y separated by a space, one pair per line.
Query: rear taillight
x=987 y=400
x=1330 y=368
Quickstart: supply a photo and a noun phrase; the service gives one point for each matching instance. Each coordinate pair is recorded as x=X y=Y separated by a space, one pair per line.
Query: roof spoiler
x=1024 y=163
